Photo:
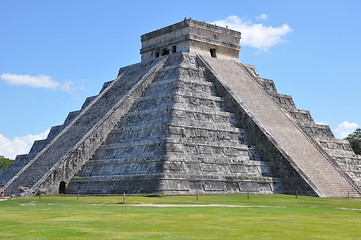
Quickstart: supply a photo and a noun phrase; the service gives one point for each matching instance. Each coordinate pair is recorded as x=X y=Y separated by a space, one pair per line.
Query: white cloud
x=40 y=81
x=256 y=35
x=262 y=17
x=19 y=145
x=345 y=128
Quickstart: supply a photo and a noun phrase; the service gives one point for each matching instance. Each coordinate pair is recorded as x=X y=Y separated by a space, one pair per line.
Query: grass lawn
x=260 y=217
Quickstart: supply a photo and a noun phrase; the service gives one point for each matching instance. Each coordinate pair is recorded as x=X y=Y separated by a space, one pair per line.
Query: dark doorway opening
x=165 y=51
x=213 y=52
x=62 y=187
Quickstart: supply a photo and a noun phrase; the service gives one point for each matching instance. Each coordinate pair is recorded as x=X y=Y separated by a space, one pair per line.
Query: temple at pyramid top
x=191 y=36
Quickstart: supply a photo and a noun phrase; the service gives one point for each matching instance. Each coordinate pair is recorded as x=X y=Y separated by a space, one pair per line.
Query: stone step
x=198 y=100
x=151 y=111
x=181 y=176
x=38 y=145
x=114 y=184
x=207 y=138
x=105 y=85
x=336 y=144
x=233 y=148
x=153 y=97
x=317 y=131
x=110 y=167
x=202 y=122
x=351 y=161
x=338 y=149
x=147 y=167
x=209 y=133
x=268 y=85
x=350 y=168
x=88 y=100
x=216 y=115
x=210 y=148
x=195 y=85
x=216 y=156
x=55 y=130
x=71 y=116
x=152 y=101
x=190 y=72
x=167 y=86
x=174 y=183
x=134 y=132
x=301 y=115
x=187 y=133
x=216 y=108
x=284 y=101
x=215 y=120
x=185 y=98
x=213 y=159
x=146 y=121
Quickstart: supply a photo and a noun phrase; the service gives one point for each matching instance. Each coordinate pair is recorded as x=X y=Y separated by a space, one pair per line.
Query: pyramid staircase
x=271 y=113
x=340 y=151
x=80 y=136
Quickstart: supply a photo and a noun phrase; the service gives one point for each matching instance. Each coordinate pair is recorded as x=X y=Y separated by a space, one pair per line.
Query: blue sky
x=54 y=54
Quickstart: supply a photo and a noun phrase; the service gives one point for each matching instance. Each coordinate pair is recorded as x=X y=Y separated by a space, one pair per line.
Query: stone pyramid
x=189 y=118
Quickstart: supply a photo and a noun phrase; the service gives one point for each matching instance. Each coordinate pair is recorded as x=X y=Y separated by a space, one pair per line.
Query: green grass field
x=260 y=217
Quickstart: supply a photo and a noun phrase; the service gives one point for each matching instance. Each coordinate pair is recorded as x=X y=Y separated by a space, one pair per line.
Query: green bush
x=355 y=141
x=5 y=162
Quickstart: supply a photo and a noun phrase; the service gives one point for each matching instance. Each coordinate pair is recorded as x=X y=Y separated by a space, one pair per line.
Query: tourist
x=2 y=191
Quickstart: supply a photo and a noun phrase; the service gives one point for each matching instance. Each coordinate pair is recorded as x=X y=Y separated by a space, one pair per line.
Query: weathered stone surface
x=195 y=121
x=191 y=36
x=177 y=128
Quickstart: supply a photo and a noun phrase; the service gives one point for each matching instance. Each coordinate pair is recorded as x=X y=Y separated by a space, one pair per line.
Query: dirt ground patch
x=28 y=204
x=352 y=209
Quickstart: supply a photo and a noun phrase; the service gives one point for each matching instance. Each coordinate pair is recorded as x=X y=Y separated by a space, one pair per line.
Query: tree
x=5 y=162
x=355 y=140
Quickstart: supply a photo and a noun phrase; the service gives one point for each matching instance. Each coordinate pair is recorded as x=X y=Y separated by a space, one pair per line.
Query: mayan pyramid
x=189 y=118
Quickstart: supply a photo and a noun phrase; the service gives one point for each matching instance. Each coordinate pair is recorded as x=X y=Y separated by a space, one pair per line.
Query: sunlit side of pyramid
x=189 y=118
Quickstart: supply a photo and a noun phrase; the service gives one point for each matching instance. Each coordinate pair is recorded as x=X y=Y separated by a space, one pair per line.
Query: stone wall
x=191 y=36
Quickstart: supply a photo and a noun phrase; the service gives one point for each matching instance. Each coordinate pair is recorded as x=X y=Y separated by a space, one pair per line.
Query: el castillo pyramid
x=189 y=118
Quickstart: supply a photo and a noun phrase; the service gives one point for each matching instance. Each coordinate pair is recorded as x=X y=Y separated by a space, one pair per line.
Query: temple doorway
x=62 y=187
